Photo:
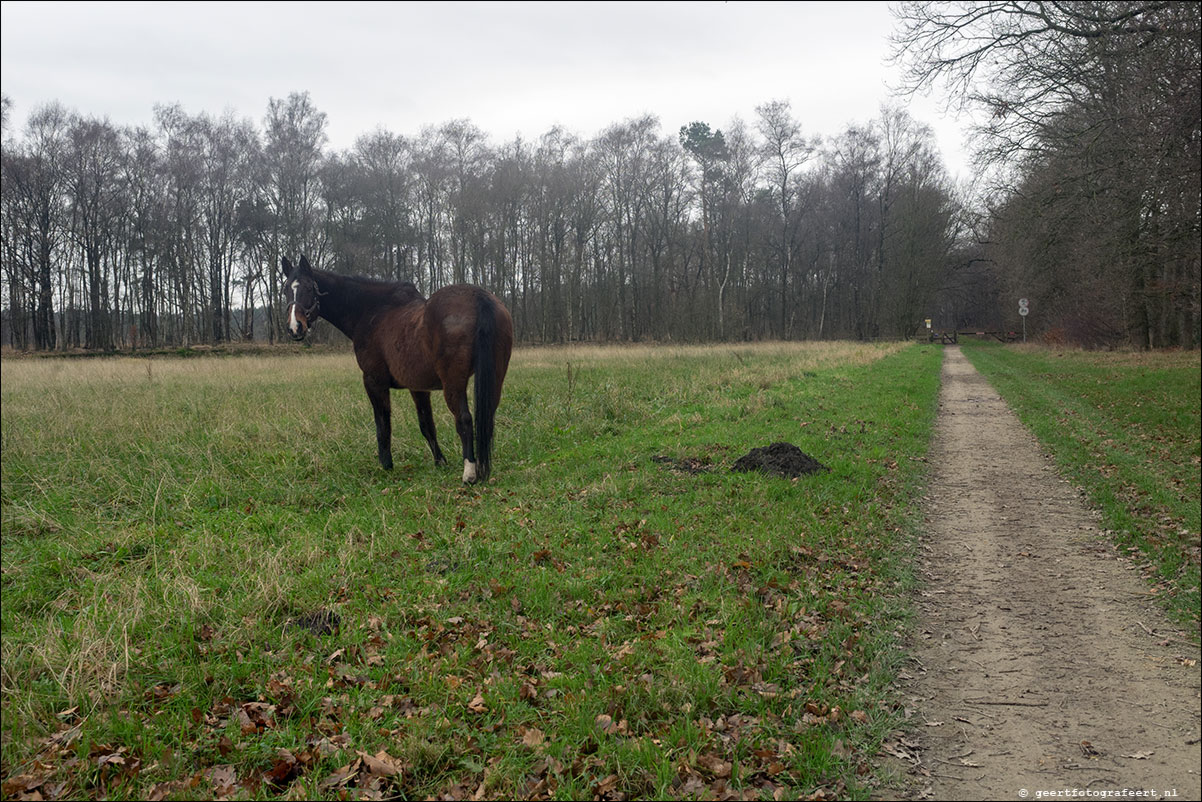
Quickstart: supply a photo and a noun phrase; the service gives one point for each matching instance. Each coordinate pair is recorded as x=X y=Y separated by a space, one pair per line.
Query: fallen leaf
x=223 y=778
x=342 y=776
x=246 y=726
x=381 y=764
x=113 y=759
x=715 y=765
x=160 y=791
x=21 y=785
x=606 y=785
x=1141 y=755
x=286 y=767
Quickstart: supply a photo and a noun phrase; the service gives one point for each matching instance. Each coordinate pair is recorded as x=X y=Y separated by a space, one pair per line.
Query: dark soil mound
x=319 y=622
x=782 y=459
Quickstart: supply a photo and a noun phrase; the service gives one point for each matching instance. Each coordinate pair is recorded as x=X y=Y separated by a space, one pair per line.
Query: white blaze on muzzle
x=294 y=323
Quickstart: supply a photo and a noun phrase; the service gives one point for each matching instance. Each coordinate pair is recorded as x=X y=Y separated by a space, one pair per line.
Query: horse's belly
x=421 y=387
x=409 y=377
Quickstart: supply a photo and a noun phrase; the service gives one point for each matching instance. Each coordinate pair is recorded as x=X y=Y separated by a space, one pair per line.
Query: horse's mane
x=398 y=292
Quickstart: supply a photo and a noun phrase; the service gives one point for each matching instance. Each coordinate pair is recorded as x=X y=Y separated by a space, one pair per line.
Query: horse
x=404 y=341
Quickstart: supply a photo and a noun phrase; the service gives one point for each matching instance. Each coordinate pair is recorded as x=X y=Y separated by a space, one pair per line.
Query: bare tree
x=785 y=152
x=92 y=170
x=383 y=165
x=1092 y=118
x=624 y=152
x=37 y=177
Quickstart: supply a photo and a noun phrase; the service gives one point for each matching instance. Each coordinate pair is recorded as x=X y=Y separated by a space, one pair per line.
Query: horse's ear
x=304 y=264
x=286 y=266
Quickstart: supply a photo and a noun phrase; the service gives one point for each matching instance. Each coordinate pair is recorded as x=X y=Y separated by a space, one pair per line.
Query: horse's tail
x=484 y=364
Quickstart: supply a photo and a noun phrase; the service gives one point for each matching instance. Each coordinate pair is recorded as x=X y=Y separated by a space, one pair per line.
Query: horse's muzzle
x=298 y=326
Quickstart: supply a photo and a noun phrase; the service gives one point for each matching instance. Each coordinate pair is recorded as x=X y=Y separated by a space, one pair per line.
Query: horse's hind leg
x=381 y=405
x=457 y=403
x=425 y=422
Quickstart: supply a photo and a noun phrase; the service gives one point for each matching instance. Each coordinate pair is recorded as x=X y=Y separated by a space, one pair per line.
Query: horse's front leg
x=457 y=403
x=425 y=422
x=381 y=405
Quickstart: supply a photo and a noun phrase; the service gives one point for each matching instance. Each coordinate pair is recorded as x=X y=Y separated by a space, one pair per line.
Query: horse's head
x=300 y=290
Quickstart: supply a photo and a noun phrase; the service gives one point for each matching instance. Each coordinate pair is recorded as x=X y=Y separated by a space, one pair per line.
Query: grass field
x=1125 y=428
x=210 y=589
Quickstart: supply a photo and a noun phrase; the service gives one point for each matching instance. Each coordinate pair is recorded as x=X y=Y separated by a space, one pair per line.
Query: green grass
x=595 y=621
x=1125 y=427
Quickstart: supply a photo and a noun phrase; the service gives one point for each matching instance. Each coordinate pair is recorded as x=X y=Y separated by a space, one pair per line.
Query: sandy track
x=1035 y=670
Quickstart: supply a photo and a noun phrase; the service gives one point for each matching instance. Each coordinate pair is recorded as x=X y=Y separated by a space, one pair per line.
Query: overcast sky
x=511 y=68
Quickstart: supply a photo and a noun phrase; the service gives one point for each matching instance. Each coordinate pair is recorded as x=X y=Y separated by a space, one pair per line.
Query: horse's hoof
x=469 y=473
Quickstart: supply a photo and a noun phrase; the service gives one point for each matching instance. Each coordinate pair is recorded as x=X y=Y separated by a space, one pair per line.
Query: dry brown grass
x=39 y=373
x=1126 y=357
x=117 y=371
x=805 y=355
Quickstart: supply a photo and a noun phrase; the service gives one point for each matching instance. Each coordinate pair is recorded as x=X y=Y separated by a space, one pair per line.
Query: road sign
x=1022 y=310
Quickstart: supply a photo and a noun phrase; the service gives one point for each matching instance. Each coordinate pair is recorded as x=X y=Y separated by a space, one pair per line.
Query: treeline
x=120 y=237
x=1093 y=127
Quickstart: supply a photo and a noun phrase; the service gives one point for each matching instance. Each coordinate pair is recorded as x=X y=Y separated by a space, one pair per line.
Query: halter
x=311 y=313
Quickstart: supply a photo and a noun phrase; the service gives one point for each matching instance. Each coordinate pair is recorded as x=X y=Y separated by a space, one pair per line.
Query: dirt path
x=1036 y=671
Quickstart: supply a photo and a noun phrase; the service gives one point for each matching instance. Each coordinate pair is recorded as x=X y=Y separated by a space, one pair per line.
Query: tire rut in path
x=1034 y=670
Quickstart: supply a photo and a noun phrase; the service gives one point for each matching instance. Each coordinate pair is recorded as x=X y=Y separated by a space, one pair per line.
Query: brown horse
x=404 y=341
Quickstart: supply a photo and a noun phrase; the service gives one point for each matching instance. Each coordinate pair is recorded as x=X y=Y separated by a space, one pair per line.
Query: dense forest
x=171 y=234
x=122 y=237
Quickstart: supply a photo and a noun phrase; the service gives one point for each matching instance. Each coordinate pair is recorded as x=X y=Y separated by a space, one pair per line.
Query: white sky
x=511 y=68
